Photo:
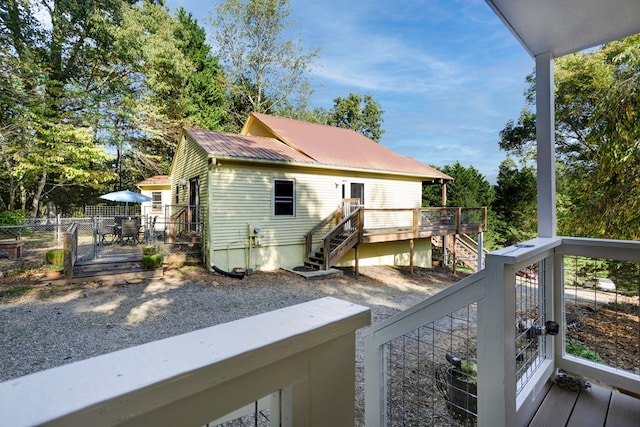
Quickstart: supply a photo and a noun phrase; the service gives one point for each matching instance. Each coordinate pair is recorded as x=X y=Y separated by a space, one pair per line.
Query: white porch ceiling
x=565 y=26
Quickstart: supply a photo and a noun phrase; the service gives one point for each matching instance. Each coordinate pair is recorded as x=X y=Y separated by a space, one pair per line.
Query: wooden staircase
x=335 y=244
x=338 y=244
x=109 y=269
x=465 y=249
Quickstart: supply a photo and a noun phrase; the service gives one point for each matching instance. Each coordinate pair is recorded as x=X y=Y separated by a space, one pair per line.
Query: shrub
x=55 y=257
x=11 y=217
x=152 y=261
x=578 y=349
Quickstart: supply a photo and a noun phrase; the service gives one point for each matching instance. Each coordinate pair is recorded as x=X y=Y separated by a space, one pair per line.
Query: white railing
x=303 y=353
x=502 y=330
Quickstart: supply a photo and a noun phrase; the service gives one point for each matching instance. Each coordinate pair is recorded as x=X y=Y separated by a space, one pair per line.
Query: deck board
x=623 y=411
x=556 y=408
x=596 y=406
x=591 y=407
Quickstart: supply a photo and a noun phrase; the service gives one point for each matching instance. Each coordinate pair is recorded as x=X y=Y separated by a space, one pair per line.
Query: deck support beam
x=545 y=136
x=411 y=247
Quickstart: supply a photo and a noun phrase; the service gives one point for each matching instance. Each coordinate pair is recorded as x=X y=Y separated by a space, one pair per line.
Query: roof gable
x=330 y=145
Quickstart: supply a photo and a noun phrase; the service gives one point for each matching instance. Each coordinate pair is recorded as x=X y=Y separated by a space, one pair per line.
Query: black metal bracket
x=550 y=328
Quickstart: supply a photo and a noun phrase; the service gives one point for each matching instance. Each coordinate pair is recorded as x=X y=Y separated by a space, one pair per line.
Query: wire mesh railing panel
x=264 y=412
x=384 y=219
x=431 y=373
x=259 y=418
x=442 y=217
x=471 y=216
x=530 y=317
x=602 y=311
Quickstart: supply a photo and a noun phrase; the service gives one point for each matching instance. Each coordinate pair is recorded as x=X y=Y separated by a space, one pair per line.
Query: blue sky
x=447 y=73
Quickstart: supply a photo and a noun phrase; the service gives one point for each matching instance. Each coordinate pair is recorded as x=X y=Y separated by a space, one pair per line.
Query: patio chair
x=129 y=231
x=107 y=232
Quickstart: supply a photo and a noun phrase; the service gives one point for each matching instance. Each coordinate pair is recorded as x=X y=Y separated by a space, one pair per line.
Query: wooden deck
x=597 y=406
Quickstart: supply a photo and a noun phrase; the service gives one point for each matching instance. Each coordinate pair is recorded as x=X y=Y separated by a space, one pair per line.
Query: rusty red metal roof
x=343 y=147
x=234 y=146
x=156 y=180
x=295 y=141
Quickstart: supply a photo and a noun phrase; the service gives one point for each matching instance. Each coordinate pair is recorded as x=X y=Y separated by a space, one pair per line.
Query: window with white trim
x=284 y=200
x=156 y=201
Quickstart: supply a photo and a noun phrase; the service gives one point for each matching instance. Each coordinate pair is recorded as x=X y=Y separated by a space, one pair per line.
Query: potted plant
x=152 y=261
x=54 y=263
x=53 y=270
x=54 y=257
x=149 y=250
x=458 y=384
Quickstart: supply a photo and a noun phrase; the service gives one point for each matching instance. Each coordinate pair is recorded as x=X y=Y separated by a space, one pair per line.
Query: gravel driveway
x=48 y=326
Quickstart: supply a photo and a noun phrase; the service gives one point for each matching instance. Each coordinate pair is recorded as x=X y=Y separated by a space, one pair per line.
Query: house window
x=357 y=192
x=283 y=197
x=156 y=201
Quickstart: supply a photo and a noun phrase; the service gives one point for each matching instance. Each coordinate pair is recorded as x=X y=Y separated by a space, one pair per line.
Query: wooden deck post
x=411 y=245
x=356 y=248
x=453 y=249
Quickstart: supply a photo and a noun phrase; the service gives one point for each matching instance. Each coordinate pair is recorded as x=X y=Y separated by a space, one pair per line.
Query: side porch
x=348 y=228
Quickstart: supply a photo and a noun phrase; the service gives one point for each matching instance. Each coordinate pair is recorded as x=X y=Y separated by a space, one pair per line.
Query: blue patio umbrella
x=126 y=196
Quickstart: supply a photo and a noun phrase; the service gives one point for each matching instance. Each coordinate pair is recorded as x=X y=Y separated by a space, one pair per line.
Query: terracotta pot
x=53 y=273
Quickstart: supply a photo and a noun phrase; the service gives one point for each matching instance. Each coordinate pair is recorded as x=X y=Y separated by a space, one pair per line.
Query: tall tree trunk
x=36 y=197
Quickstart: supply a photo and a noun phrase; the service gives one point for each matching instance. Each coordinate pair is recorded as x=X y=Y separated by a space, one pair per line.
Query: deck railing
x=423 y=222
x=316 y=234
x=303 y=354
x=499 y=323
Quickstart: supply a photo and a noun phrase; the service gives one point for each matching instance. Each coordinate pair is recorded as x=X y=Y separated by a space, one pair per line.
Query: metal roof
x=156 y=180
x=233 y=146
x=331 y=145
x=561 y=27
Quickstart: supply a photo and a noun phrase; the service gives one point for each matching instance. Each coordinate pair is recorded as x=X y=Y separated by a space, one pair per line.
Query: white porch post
x=545 y=135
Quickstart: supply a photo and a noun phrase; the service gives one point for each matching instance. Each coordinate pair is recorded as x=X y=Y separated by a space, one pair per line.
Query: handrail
x=347 y=224
x=306 y=352
x=409 y=225
x=308 y=238
x=508 y=387
x=468 y=291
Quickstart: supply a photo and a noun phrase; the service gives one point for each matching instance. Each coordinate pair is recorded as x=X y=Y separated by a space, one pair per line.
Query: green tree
x=597 y=138
x=360 y=113
x=96 y=95
x=514 y=205
x=53 y=46
x=204 y=97
x=266 y=71
x=469 y=188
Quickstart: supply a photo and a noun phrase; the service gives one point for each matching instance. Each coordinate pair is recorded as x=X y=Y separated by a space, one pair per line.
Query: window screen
x=283 y=197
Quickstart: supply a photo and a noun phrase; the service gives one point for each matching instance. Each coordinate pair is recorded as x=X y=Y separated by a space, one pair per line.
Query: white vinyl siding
x=239 y=200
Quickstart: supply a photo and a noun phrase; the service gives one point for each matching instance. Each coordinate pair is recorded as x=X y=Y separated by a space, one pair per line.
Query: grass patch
x=55 y=290
x=14 y=291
